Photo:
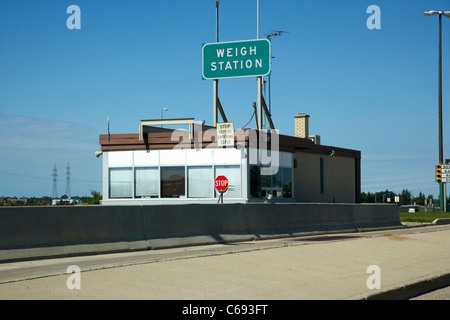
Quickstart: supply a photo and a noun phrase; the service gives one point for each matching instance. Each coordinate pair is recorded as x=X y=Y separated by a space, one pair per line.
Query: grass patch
x=426 y=217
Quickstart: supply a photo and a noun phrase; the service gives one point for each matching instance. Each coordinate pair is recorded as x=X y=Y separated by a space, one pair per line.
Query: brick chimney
x=302 y=125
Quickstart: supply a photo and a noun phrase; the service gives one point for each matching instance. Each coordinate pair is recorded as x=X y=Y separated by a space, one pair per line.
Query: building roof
x=177 y=139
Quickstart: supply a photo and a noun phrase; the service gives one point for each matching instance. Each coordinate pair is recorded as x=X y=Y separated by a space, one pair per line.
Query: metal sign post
x=220 y=197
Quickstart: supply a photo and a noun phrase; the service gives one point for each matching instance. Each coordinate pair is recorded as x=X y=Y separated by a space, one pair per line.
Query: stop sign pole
x=221 y=185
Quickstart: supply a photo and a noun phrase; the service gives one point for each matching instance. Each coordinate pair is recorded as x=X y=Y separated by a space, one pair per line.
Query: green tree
x=405 y=197
x=96 y=197
x=420 y=199
x=378 y=197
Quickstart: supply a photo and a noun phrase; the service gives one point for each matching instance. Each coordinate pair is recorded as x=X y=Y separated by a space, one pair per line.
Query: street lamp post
x=217 y=20
x=442 y=191
x=162 y=113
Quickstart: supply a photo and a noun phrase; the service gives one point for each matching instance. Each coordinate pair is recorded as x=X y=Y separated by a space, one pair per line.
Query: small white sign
x=225 y=134
x=445 y=173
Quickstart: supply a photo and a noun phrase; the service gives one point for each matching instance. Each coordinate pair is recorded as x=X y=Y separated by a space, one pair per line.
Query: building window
x=233 y=174
x=146 y=182
x=172 y=182
x=200 y=182
x=266 y=184
x=255 y=182
x=279 y=185
x=287 y=182
x=120 y=183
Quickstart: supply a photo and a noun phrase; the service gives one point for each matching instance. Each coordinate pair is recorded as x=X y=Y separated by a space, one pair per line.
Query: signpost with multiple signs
x=234 y=59
x=443 y=173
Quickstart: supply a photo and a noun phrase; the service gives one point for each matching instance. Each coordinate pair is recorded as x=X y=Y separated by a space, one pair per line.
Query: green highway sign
x=234 y=59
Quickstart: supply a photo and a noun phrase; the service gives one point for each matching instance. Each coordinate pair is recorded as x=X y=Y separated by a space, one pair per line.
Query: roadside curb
x=441 y=221
x=412 y=289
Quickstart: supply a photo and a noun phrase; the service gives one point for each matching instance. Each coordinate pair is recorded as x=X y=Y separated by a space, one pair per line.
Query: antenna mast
x=269 y=36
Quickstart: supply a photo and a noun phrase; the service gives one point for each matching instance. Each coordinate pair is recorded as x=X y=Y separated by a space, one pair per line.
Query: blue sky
x=369 y=90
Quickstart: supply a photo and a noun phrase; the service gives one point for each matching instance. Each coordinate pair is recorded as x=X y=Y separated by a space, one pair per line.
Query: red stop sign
x=221 y=183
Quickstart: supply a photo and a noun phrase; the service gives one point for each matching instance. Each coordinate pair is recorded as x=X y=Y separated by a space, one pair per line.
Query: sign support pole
x=441 y=185
x=444 y=195
x=260 y=81
x=220 y=200
x=216 y=81
x=215 y=97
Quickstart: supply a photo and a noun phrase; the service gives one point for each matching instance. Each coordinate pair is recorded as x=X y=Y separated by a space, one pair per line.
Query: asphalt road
x=333 y=266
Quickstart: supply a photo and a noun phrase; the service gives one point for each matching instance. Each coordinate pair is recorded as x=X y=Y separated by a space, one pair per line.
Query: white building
x=163 y=166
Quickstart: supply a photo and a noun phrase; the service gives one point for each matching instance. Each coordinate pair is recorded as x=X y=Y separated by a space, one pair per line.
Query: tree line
x=405 y=198
x=47 y=201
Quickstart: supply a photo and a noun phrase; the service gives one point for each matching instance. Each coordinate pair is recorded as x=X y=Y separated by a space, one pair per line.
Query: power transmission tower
x=54 y=175
x=68 y=181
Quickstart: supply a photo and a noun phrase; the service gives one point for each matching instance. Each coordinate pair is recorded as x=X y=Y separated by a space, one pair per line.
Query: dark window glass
x=172 y=182
x=255 y=182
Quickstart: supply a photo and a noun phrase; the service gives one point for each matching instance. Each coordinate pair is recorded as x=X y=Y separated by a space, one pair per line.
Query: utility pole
x=442 y=187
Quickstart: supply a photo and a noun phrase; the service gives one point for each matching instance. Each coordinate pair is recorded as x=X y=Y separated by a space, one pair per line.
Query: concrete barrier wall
x=43 y=232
